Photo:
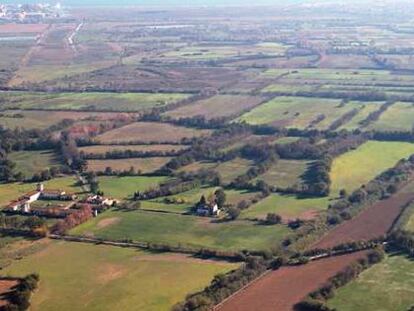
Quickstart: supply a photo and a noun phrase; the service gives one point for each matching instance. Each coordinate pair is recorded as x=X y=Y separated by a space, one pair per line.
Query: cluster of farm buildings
x=23 y=205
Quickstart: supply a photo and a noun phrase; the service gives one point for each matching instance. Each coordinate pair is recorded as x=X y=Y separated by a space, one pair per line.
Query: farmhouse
x=206 y=209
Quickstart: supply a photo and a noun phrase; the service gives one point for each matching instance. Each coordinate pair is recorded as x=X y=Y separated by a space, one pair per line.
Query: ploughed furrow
x=281 y=289
x=373 y=222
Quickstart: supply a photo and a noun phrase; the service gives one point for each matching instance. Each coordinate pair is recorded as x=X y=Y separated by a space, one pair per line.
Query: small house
x=208 y=210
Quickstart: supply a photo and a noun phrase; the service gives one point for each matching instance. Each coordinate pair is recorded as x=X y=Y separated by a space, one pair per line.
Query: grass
x=225 y=51
x=398 y=117
x=298 y=112
x=385 y=286
x=190 y=231
x=287 y=206
x=9 y=192
x=76 y=276
x=367 y=108
x=228 y=170
x=32 y=162
x=355 y=168
x=285 y=173
x=124 y=187
x=129 y=102
x=145 y=165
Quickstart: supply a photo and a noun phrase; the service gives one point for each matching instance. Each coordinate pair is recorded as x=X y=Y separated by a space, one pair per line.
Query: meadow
x=126 y=102
x=182 y=230
x=228 y=170
x=298 y=112
x=398 y=117
x=111 y=278
x=385 y=286
x=355 y=168
x=285 y=173
x=287 y=206
x=124 y=187
x=33 y=162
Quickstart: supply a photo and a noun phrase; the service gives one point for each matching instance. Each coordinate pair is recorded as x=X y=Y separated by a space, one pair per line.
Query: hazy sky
x=157 y=2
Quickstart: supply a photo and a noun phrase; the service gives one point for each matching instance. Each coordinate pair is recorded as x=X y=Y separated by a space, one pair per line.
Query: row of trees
x=128 y=153
x=19 y=297
x=402 y=240
x=72 y=220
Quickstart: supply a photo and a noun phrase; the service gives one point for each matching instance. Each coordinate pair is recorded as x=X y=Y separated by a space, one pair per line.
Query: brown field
x=23 y=28
x=371 y=223
x=150 y=132
x=281 y=289
x=41 y=119
x=145 y=165
x=101 y=149
x=218 y=106
x=5 y=287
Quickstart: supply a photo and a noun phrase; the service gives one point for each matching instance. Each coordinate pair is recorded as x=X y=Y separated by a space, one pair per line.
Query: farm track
x=281 y=289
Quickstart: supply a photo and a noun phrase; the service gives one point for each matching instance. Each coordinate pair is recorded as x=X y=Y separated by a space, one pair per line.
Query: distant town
x=29 y=13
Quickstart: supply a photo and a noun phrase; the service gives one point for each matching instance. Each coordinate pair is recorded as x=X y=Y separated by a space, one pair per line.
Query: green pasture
x=182 y=230
x=285 y=173
x=76 y=276
x=298 y=112
x=355 y=168
x=398 y=117
x=124 y=187
x=384 y=287
x=32 y=162
x=287 y=206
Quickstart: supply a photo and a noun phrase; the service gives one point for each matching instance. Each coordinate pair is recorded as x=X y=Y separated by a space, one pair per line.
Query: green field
x=89 y=101
x=285 y=173
x=298 y=112
x=228 y=170
x=32 y=162
x=217 y=52
x=287 y=206
x=124 y=187
x=9 y=192
x=384 y=287
x=75 y=276
x=144 y=165
x=182 y=230
x=367 y=108
x=355 y=168
x=398 y=117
